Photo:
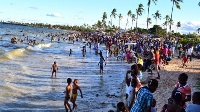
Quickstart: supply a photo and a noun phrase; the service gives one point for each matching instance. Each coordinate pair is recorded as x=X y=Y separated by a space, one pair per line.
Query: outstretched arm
x=80 y=92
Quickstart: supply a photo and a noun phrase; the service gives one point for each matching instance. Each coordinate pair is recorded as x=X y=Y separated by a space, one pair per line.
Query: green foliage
x=189 y=41
x=186 y=38
x=159 y=29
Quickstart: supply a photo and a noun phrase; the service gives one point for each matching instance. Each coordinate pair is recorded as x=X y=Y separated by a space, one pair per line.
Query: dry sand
x=169 y=77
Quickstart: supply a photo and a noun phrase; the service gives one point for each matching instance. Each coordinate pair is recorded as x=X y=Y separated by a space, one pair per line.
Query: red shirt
x=185 y=90
x=184 y=59
x=157 y=58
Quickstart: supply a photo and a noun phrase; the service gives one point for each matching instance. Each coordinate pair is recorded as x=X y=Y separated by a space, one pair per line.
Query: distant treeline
x=156 y=30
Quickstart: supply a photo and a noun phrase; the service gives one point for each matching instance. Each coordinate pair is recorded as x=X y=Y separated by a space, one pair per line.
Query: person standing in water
x=101 y=62
x=75 y=93
x=54 y=68
x=83 y=51
x=70 y=52
x=67 y=95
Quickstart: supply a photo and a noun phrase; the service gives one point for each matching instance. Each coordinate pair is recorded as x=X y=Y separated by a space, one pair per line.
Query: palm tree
x=104 y=19
x=176 y=2
x=139 y=12
x=149 y=3
x=166 y=21
x=133 y=19
x=156 y=16
x=198 y=30
x=120 y=17
x=171 y=22
x=178 y=25
x=113 y=14
x=99 y=24
x=129 y=14
x=149 y=20
x=165 y=25
x=109 y=24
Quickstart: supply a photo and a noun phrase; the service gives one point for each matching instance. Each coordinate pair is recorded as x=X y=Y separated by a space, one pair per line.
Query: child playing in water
x=101 y=62
x=83 y=51
x=70 y=52
x=75 y=93
x=67 y=96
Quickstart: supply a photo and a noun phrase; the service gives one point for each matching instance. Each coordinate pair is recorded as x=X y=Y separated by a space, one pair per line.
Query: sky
x=78 y=12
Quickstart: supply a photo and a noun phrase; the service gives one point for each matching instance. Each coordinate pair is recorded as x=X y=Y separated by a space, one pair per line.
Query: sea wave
x=20 y=51
x=39 y=47
x=14 y=53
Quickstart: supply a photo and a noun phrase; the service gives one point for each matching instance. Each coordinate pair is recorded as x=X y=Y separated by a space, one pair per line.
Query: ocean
x=25 y=73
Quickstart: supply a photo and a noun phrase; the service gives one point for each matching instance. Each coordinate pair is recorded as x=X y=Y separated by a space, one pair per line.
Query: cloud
x=33 y=7
x=54 y=14
x=191 y=27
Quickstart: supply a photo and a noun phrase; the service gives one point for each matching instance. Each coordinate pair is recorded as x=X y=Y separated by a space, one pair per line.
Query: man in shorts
x=55 y=69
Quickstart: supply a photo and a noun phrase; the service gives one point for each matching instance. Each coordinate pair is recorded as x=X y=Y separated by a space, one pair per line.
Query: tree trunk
x=156 y=25
x=147 y=20
x=111 y=23
x=136 y=24
x=119 y=24
x=126 y=23
x=171 y=18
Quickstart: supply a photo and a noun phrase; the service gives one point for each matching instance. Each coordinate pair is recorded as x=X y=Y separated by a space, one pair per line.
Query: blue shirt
x=101 y=61
x=144 y=99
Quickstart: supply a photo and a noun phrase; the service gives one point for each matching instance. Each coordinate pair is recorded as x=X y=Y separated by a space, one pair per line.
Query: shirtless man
x=68 y=94
x=55 y=69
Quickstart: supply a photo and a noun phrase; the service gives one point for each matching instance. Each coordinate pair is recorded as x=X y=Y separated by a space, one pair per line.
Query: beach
x=26 y=83
x=169 y=77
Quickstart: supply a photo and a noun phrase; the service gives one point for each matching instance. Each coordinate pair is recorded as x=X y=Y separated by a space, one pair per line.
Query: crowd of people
x=146 y=55
x=140 y=98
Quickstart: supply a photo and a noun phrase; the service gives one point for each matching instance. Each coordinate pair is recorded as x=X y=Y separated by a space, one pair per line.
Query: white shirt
x=189 y=51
